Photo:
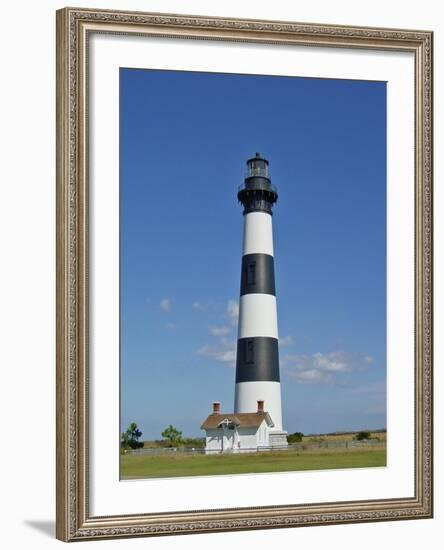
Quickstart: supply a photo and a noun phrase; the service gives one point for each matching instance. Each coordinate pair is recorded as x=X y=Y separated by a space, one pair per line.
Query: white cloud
x=225 y=352
x=321 y=368
x=220 y=331
x=233 y=311
x=286 y=341
x=204 y=306
x=311 y=376
x=165 y=304
x=170 y=326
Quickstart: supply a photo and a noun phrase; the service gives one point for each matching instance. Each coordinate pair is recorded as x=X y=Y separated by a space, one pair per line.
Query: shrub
x=295 y=437
x=362 y=435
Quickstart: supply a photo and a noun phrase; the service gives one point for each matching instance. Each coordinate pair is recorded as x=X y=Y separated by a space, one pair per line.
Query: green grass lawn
x=174 y=465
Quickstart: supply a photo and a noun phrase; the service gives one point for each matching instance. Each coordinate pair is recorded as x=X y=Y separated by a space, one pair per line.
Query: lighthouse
x=257 y=359
x=256 y=423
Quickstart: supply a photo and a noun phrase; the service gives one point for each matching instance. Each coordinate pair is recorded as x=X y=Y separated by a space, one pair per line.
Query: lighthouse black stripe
x=257 y=360
x=257 y=274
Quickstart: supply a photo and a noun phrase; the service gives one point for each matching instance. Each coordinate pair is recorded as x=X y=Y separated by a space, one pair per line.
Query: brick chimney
x=216 y=407
x=260 y=406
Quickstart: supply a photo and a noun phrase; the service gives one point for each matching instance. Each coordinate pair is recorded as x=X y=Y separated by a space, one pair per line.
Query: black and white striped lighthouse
x=257 y=362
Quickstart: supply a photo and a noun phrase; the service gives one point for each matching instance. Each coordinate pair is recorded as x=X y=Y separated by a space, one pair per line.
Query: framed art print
x=243 y=274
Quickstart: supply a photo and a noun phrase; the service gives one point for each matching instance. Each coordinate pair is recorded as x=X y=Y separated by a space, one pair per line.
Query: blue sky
x=184 y=140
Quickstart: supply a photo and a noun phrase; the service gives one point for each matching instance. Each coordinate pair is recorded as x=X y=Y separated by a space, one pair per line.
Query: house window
x=249 y=351
x=251 y=273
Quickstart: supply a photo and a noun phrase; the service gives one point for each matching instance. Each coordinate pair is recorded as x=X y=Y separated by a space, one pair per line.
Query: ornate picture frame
x=74 y=30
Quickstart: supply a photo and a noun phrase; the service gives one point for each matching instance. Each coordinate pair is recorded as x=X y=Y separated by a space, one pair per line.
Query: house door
x=228 y=440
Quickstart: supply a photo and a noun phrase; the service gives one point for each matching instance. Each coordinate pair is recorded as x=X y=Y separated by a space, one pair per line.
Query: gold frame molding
x=73 y=520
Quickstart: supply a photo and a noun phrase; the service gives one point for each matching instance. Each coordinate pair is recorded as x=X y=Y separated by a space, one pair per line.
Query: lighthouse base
x=278 y=439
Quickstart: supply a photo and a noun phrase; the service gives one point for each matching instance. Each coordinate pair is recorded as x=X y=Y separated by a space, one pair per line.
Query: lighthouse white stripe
x=247 y=395
x=258 y=233
x=257 y=316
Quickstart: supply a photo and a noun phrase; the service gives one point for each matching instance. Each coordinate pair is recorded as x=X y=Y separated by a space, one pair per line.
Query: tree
x=130 y=438
x=363 y=435
x=173 y=435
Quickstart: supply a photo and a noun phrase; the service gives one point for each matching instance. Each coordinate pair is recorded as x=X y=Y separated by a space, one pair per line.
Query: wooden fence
x=302 y=446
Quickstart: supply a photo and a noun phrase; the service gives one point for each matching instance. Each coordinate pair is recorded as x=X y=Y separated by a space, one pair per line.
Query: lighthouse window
x=251 y=273
x=249 y=351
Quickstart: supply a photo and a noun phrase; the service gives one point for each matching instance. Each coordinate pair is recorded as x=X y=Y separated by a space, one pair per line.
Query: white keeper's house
x=239 y=432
